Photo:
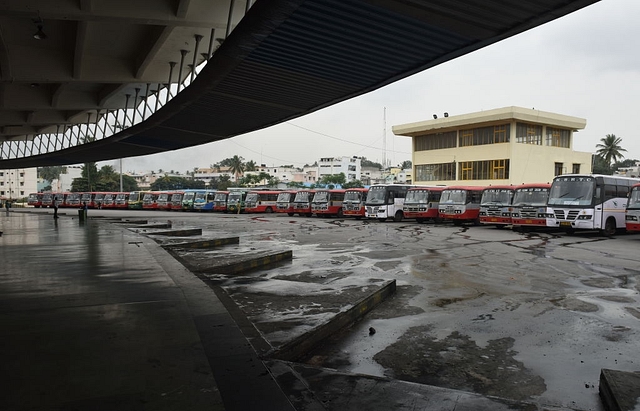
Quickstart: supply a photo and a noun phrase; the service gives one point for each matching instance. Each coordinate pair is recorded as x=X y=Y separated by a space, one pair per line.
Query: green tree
x=600 y=166
x=625 y=163
x=609 y=148
x=251 y=166
x=236 y=166
x=221 y=183
x=406 y=164
x=128 y=183
x=368 y=163
x=295 y=184
x=331 y=180
x=353 y=184
x=51 y=173
x=273 y=181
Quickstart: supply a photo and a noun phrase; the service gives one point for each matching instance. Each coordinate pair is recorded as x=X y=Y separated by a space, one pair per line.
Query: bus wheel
x=268 y=210
x=398 y=216
x=457 y=222
x=609 y=227
x=340 y=215
x=291 y=214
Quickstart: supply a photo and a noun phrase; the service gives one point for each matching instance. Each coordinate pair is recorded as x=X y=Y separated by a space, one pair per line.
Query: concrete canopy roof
x=525 y=115
x=284 y=59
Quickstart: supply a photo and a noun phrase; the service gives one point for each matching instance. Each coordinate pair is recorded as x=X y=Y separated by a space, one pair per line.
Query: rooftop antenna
x=384 y=138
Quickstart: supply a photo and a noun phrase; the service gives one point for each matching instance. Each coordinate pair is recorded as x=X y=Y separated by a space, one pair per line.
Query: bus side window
x=598 y=194
x=623 y=191
x=609 y=191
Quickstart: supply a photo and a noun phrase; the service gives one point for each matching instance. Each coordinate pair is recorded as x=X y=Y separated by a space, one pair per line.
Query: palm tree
x=250 y=166
x=610 y=149
x=236 y=166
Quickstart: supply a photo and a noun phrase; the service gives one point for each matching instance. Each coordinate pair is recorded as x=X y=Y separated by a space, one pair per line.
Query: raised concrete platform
x=620 y=390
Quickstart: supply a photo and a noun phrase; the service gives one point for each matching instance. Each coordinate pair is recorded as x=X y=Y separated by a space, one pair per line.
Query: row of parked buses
x=572 y=202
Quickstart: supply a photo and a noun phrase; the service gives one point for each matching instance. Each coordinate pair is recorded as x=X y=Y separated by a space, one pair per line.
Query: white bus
x=589 y=202
x=633 y=210
x=386 y=201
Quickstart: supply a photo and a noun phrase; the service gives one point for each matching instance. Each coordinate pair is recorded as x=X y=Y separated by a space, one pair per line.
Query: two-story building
x=510 y=145
x=350 y=166
x=18 y=183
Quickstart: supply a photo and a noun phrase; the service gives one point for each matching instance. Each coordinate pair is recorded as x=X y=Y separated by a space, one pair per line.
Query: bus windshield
x=284 y=197
x=188 y=196
x=148 y=197
x=531 y=197
x=234 y=197
x=176 y=197
x=572 y=191
x=496 y=196
x=453 y=197
x=417 y=196
x=353 y=197
x=220 y=197
x=634 y=199
x=201 y=196
x=321 y=197
x=163 y=197
x=376 y=195
x=134 y=196
x=251 y=198
x=302 y=197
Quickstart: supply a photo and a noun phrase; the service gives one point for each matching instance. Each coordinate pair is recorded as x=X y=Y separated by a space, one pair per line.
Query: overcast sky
x=586 y=64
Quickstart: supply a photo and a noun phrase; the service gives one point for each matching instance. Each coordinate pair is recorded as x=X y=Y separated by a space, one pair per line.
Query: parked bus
x=150 y=200
x=122 y=200
x=164 y=201
x=421 y=203
x=176 y=200
x=72 y=200
x=328 y=202
x=461 y=204
x=386 y=201
x=353 y=204
x=109 y=200
x=495 y=205
x=35 y=200
x=263 y=201
x=89 y=199
x=633 y=210
x=589 y=202
x=302 y=202
x=47 y=199
x=59 y=199
x=220 y=201
x=203 y=200
x=136 y=200
x=188 y=198
x=236 y=199
x=284 y=202
x=98 y=199
x=530 y=206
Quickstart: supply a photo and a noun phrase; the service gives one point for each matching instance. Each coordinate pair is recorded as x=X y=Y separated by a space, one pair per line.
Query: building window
x=558 y=169
x=484 y=170
x=575 y=169
x=557 y=137
x=529 y=134
x=484 y=135
x=21 y=193
x=436 y=172
x=21 y=174
x=435 y=141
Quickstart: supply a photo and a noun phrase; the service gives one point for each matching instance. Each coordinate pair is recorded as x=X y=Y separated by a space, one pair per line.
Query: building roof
x=284 y=59
x=526 y=115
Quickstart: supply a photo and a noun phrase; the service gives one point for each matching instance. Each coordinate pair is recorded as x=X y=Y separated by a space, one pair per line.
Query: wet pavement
x=478 y=314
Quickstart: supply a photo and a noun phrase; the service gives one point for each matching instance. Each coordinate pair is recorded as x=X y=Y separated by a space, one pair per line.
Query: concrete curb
x=175 y=233
x=204 y=244
x=250 y=264
x=296 y=348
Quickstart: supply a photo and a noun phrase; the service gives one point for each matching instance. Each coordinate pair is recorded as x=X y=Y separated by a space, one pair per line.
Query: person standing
x=7 y=204
x=55 y=208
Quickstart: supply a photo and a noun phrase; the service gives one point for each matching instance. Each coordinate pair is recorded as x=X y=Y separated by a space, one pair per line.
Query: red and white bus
x=176 y=200
x=422 y=203
x=632 y=217
x=220 y=201
x=327 y=202
x=150 y=200
x=263 y=201
x=35 y=200
x=122 y=200
x=89 y=199
x=302 y=202
x=284 y=203
x=353 y=204
x=109 y=200
x=461 y=204
x=530 y=205
x=164 y=201
x=495 y=205
x=47 y=199
x=72 y=200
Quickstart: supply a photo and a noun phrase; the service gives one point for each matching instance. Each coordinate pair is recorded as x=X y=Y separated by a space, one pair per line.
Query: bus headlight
x=584 y=217
x=631 y=218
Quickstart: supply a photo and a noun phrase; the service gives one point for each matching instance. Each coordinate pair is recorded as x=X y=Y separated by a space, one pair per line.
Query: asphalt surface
x=523 y=317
